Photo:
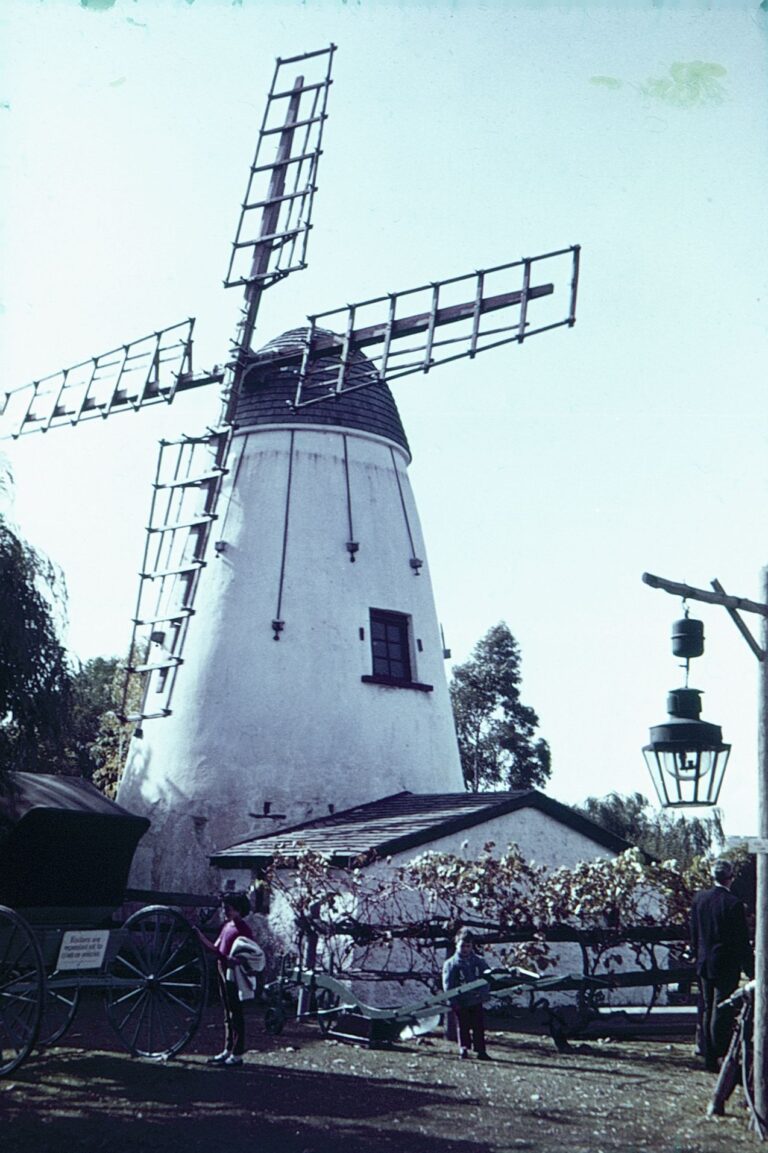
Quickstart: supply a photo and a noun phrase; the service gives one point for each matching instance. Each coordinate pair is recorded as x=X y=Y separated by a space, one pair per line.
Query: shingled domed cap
x=269 y=389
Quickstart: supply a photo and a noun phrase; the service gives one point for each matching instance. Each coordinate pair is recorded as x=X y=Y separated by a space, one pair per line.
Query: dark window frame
x=391 y=651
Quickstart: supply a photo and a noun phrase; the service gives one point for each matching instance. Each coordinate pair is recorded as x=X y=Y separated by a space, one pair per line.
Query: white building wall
x=542 y=840
x=290 y=721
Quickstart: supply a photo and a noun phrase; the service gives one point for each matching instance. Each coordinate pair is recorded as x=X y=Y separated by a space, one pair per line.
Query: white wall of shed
x=542 y=839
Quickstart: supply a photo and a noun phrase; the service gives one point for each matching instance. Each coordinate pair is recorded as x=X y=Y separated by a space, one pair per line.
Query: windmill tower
x=285 y=630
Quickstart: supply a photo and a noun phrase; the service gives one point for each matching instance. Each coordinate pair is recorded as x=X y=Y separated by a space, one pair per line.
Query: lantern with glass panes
x=686 y=756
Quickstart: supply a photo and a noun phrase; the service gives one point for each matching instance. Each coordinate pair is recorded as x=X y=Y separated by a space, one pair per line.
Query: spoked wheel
x=59 y=1008
x=22 y=990
x=326 y=1002
x=157 y=983
x=274 y=1020
x=747 y=1054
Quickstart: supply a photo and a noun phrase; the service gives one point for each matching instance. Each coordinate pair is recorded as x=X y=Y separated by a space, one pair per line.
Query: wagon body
x=65 y=855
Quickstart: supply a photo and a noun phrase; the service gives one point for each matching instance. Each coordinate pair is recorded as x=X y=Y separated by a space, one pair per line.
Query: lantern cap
x=677 y=732
x=684 y=704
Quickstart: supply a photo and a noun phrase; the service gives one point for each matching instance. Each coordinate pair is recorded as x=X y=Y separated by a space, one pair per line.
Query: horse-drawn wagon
x=65 y=854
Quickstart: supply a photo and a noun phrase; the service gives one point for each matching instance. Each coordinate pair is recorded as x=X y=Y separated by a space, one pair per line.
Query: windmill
x=285 y=631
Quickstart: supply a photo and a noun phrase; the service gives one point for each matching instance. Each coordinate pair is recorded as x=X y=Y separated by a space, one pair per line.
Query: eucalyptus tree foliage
x=496 y=731
x=35 y=675
x=56 y=716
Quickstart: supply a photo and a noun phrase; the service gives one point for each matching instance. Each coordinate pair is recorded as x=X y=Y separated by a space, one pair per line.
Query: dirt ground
x=301 y=1093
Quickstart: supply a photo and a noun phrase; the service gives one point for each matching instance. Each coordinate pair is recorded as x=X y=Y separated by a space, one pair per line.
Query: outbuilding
x=393 y=830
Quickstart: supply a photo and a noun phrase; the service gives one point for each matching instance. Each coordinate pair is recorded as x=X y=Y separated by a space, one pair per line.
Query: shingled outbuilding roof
x=269 y=389
x=402 y=822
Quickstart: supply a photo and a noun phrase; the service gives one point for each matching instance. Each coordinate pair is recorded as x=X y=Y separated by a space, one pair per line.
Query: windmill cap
x=271 y=378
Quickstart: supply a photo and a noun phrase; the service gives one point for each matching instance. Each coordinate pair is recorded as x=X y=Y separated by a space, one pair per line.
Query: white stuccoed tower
x=313 y=677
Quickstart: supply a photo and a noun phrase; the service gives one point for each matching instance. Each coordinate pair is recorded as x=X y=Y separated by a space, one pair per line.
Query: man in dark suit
x=720 y=943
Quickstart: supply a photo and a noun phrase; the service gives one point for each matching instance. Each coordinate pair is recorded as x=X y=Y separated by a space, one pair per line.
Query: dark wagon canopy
x=63 y=843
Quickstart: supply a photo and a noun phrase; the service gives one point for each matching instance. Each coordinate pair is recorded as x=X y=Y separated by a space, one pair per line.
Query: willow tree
x=35 y=677
x=665 y=835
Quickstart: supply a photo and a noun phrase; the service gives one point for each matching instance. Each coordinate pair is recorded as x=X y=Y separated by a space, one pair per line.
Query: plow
x=304 y=994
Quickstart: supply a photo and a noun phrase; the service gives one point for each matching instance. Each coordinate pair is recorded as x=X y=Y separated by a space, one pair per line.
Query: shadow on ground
x=115 y=1104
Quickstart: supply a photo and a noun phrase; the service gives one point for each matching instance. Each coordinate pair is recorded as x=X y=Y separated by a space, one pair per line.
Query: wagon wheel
x=745 y=1034
x=325 y=1003
x=156 y=990
x=274 y=1019
x=22 y=990
x=59 y=1008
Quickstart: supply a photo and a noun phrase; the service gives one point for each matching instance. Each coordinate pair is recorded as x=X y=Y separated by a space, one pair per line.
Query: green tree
x=110 y=743
x=35 y=675
x=92 y=700
x=495 y=730
x=54 y=718
x=664 y=836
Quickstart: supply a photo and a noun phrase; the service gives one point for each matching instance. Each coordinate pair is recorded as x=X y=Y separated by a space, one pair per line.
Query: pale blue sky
x=548 y=476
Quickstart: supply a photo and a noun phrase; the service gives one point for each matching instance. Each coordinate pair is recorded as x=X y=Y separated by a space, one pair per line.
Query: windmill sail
x=272 y=233
x=419 y=328
x=271 y=242
x=147 y=371
x=182 y=514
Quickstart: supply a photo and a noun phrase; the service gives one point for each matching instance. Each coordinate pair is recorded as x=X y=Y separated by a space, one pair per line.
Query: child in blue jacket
x=464 y=966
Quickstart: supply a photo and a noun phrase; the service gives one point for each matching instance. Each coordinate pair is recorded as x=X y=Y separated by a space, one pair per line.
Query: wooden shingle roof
x=269 y=388
x=401 y=822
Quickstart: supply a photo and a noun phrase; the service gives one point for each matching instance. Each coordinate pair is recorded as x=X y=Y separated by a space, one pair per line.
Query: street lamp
x=686 y=756
x=759 y=844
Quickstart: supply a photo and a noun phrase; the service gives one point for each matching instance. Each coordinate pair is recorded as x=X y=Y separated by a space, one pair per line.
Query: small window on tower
x=390 y=645
x=391 y=651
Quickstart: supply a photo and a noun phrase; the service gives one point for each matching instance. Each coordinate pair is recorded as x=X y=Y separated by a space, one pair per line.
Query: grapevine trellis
x=564 y=943
x=375 y=922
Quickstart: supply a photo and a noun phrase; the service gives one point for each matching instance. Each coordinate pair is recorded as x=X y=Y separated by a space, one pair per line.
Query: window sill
x=393 y=683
